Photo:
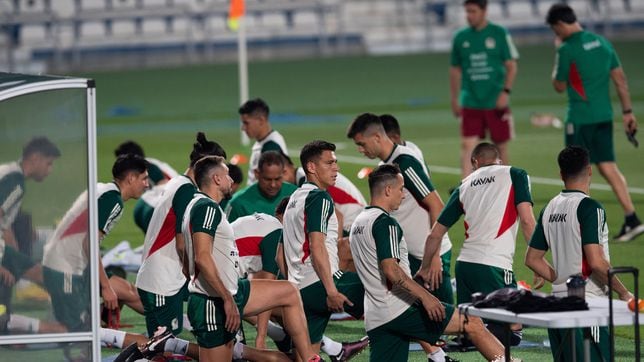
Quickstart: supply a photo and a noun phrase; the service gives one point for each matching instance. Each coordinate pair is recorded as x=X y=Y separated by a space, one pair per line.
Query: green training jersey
x=481 y=55
x=251 y=200
x=584 y=61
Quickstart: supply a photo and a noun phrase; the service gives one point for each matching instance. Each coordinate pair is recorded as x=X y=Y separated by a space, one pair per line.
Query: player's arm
x=511 y=69
x=523 y=201
x=431 y=270
x=527 y=220
x=594 y=254
x=621 y=85
x=320 y=259
x=455 y=74
x=280 y=260
x=535 y=256
x=109 y=296
x=560 y=69
x=202 y=243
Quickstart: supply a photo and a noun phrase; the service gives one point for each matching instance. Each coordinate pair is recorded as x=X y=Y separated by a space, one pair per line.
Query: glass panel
x=44 y=284
x=44 y=352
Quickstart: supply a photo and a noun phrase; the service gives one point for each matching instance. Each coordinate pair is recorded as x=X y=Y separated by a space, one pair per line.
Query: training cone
x=364 y=172
x=239 y=159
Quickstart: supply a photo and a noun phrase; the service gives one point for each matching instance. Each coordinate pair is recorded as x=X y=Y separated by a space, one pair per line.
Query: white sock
x=186 y=323
x=22 y=324
x=275 y=332
x=176 y=345
x=112 y=337
x=238 y=350
x=437 y=356
x=331 y=347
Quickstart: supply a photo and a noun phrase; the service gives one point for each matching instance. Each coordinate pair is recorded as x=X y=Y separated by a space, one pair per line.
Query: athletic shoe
x=130 y=353
x=157 y=342
x=315 y=358
x=351 y=349
x=629 y=232
x=447 y=359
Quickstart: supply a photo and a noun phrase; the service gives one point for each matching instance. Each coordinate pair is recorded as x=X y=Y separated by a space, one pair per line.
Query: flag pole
x=242 y=60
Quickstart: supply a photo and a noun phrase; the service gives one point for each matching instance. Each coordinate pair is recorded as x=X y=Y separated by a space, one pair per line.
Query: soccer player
x=483 y=67
x=264 y=195
x=419 y=209
x=65 y=257
x=584 y=65
x=161 y=282
x=492 y=200
x=159 y=173
x=392 y=128
x=254 y=119
x=397 y=309
x=573 y=227
x=311 y=244
x=217 y=295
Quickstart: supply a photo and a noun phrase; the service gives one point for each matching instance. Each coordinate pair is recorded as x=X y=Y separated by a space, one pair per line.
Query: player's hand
x=538 y=281
x=630 y=123
x=6 y=277
x=435 y=273
x=456 y=109
x=233 y=320
x=434 y=308
x=335 y=302
x=110 y=300
x=503 y=100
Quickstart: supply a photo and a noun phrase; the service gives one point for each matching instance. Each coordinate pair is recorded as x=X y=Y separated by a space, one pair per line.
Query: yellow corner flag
x=235 y=12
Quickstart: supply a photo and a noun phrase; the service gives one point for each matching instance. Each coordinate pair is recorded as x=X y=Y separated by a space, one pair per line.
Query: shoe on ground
x=285 y=345
x=447 y=359
x=351 y=349
x=629 y=232
x=157 y=342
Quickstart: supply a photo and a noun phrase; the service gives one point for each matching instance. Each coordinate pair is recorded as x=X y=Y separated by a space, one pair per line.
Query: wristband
x=627 y=111
x=507 y=90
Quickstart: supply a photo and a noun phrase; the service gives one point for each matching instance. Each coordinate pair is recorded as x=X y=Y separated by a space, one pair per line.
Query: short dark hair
x=270 y=158
x=381 y=176
x=480 y=3
x=127 y=163
x=203 y=148
x=560 y=12
x=40 y=145
x=235 y=173
x=362 y=123
x=572 y=161
x=312 y=151
x=390 y=124
x=281 y=206
x=255 y=106
x=129 y=147
x=486 y=151
x=204 y=165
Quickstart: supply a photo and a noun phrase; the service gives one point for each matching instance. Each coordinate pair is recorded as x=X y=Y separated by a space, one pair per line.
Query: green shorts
x=162 y=310
x=206 y=314
x=70 y=298
x=444 y=293
x=473 y=278
x=560 y=343
x=390 y=341
x=597 y=138
x=316 y=310
x=16 y=262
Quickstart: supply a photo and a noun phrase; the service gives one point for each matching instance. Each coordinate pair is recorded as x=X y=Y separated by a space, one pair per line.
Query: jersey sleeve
x=154 y=173
x=180 y=201
x=11 y=189
x=455 y=55
x=452 y=211
x=268 y=249
x=416 y=179
x=562 y=64
x=271 y=146
x=317 y=211
x=509 y=50
x=205 y=217
x=521 y=184
x=387 y=235
x=538 y=239
x=614 y=58
x=110 y=208
x=592 y=220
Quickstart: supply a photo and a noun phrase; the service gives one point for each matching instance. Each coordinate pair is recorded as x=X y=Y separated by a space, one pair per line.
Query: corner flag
x=235 y=12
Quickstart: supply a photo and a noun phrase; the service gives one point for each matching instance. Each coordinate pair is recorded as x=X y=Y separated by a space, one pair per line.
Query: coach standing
x=585 y=62
x=482 y=71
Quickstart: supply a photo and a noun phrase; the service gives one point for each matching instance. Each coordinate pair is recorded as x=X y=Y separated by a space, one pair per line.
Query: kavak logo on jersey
x=358 y=230
x=482 y=181
x=490 y=43
x=557 y=218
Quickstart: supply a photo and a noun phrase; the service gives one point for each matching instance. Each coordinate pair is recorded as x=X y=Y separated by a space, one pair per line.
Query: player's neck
x=380 y=203
x=213 y=192
x=265 y=132
x=482 y=25
x=579 y=185
x=572 y=29
x=314 y=180
x=387 y=148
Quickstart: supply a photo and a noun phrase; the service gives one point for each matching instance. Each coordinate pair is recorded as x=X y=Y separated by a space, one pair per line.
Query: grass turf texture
x=162 y=109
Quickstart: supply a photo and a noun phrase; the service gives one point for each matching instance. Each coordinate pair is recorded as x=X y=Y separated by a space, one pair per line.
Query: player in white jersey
x=392 y=128
x=311 y=244
x=65 y=258
x=257 y=236
x=397 y=309
x=255 y=123
x=573 y=227
x=160 y=282
x=217 y=295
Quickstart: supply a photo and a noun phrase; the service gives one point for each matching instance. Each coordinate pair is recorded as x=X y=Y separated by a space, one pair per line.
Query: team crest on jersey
x=466 y=44
x=490 y=43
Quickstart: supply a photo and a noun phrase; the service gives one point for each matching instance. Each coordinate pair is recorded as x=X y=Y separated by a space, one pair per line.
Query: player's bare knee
x=473 y=325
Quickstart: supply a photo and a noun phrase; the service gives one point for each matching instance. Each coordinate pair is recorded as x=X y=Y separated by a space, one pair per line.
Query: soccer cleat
x=157 y=342
x=351 y=349
x=447 y=359
x=629 y=232
x=285 y=345
x=130 y=353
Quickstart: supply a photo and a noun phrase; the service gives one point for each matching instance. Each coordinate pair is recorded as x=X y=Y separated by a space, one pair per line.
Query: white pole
x=243 y=70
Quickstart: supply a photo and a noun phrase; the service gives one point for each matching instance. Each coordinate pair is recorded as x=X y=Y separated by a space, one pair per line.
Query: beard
x=228 y=194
